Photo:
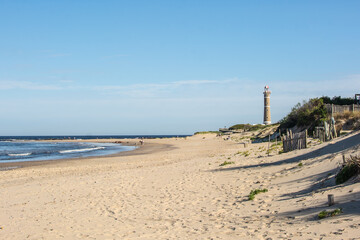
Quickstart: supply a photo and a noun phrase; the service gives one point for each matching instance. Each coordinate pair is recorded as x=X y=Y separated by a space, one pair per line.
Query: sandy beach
x=176 y=189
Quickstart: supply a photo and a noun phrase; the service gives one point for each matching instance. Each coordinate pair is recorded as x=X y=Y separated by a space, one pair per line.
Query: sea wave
x=19 y=154
x=81 y=150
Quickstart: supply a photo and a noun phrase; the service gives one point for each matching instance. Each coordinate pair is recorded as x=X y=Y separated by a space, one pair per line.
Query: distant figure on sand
x=141 y=142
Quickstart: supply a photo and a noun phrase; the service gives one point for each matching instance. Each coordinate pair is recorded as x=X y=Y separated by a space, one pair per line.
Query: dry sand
x=175 y=189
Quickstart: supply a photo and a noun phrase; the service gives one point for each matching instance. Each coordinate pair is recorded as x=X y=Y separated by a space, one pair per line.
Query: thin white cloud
x=26 y=85
x=227 y=88
x=243 y=88
x=153 y=89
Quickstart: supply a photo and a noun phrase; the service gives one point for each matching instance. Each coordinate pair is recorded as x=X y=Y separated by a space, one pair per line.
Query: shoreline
x=147 y=148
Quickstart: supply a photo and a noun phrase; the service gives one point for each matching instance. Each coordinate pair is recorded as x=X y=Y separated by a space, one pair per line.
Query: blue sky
x=169 y=67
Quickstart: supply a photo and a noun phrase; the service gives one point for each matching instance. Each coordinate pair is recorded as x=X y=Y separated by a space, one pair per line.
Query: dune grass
x=325 y=214
x=207 y=132
x=255 y=192
x=349 y=169
x=226 y=163
x=245 y=153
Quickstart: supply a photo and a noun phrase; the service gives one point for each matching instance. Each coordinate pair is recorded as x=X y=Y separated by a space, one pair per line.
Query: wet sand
x=140 y=150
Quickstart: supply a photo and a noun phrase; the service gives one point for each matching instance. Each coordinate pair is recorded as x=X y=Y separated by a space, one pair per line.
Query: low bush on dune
x=338 y=100
x=348 y=170
x=325 y=214
x=207 y=132
x=306 y=115
x=255 y=192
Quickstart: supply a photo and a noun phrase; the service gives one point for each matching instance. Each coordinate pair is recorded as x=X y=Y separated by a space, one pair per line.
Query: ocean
x=24 y=148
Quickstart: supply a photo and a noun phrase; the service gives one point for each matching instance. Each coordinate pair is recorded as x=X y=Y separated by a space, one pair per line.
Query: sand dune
x=175 y=189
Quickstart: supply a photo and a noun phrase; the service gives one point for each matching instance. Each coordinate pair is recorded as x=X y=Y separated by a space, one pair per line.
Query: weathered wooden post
x=331 y=200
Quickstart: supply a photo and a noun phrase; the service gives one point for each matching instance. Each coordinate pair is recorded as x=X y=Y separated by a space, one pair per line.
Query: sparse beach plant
x=300 y=164
x=255 y=192
x=325 y=214
x=226 y=163
x=249 y=127
x=207 y=132
x=277 y=144
x=245 y=153
x=348 y=170
x=349 y=119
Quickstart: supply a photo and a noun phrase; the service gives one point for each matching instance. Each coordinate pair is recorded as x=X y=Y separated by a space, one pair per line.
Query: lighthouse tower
x=267 y=115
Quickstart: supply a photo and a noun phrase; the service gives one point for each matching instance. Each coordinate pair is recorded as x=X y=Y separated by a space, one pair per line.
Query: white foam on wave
x=81 y=150
x=19 y=154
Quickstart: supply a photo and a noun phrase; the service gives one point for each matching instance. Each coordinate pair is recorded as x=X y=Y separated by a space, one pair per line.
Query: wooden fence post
x=331 y=200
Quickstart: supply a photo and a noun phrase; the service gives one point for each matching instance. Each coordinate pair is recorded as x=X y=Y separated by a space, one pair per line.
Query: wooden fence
x=326 y=132
x=331 y=108
x=292 y=141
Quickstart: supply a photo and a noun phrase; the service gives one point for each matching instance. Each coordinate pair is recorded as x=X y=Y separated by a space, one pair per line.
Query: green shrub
x=348 y=170
x=338 y=100
x=255 y=192
x=309 y=114
x=325 y=214
x=207 y=132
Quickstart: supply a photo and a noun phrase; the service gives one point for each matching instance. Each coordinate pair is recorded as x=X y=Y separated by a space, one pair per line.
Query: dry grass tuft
x=347 y=120
x=347 y=115
x=349 y=169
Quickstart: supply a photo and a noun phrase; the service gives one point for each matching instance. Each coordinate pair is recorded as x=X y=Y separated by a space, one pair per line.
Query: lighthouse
x=267 y=115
